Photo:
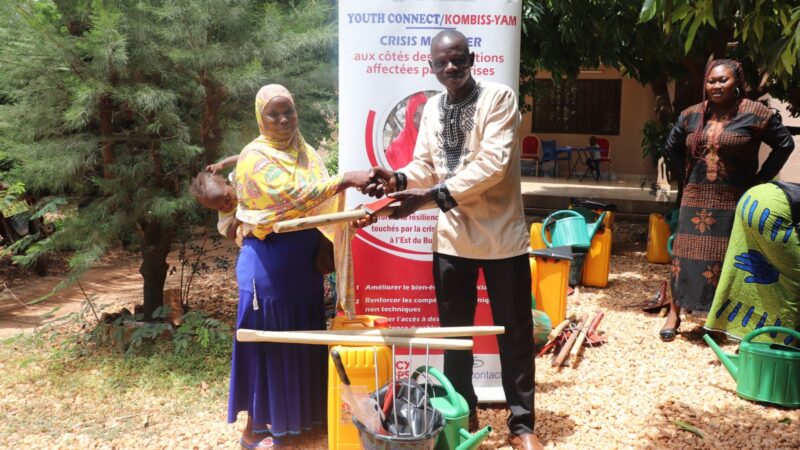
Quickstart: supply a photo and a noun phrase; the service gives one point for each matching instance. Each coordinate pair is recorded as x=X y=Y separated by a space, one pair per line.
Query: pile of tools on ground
x=570 y=337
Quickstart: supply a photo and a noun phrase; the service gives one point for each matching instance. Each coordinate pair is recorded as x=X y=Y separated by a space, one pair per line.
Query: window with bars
x=577 y=107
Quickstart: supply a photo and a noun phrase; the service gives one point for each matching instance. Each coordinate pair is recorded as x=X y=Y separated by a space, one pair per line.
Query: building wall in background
x=791 y=171
x=637 y=107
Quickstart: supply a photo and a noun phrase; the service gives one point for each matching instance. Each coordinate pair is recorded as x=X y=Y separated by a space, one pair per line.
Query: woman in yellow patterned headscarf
x=279 y=177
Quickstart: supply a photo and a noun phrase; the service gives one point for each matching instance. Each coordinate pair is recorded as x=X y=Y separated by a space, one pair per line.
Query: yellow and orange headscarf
x=281 y=179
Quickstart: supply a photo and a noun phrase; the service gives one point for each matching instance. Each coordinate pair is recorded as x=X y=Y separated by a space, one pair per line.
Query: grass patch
x=59 y=383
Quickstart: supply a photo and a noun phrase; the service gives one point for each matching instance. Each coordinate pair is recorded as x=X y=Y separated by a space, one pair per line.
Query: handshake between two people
x=377 y=182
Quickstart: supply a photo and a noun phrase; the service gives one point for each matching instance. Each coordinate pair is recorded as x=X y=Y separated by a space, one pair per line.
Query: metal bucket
x=425 y=441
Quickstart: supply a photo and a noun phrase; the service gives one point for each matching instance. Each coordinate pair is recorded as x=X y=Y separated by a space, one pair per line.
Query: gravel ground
x=632 y=392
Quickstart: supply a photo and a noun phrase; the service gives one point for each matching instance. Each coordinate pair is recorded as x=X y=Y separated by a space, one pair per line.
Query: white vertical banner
x=384 y=80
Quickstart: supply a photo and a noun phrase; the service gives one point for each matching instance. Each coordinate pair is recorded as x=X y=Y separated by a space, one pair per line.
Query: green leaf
x=649 y=9
x=788 y=59
x=690 y=38
x=690 y=428
x=51 y=206
x=785 y=420
x=681 y=12
x=797 y=38
x=710 y=16
x=758 y=28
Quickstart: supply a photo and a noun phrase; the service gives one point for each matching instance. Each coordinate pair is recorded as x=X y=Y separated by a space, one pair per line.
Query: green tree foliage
x=657 y=41
x=116 y=104
x=766 y=34
x=660 y=41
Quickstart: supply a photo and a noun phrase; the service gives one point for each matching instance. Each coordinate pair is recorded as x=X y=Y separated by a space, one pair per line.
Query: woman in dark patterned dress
x=716 y=142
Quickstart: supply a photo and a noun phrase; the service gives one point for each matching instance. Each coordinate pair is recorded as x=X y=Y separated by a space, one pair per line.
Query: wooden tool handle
x=558 y=329
x=302 y=337
x=581 y=335
x=598 y=316
x=304 y=223
x=419 y=332
x=562 y=355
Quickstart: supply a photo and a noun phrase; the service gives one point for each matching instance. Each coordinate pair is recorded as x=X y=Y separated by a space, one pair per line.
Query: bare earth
x=632 y=392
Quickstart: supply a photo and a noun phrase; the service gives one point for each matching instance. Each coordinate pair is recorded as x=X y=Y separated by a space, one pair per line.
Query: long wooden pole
x=302 y=337
x=305 y=223
x=418 y=332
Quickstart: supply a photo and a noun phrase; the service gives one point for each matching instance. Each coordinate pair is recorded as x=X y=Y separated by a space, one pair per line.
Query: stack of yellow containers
x=359 y=363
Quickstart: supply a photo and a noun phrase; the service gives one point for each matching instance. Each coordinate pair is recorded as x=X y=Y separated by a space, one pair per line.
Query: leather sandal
x=268 y=442
x=659 y=301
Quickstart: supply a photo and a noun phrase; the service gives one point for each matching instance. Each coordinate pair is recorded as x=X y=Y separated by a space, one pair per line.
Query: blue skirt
x=281 y=386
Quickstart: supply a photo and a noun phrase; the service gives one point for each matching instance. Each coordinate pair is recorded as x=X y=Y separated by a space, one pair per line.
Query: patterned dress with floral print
x=723 y=166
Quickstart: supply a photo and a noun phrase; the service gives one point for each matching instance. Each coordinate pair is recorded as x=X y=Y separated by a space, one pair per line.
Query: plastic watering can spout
x=729 y=364
x=472 y=441
x=592 y=229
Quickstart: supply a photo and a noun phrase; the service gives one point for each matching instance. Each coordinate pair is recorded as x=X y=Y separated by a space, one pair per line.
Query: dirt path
x=115 y=281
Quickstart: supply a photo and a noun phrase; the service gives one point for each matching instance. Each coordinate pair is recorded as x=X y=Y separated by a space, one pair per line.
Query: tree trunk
x=156 y=243
x=210 y=129
x=663 y=110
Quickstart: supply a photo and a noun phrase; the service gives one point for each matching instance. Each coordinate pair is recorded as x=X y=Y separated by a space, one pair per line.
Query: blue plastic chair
x=550 y=152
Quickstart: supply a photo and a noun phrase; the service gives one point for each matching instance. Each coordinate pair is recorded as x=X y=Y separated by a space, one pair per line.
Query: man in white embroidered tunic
x=467 y=162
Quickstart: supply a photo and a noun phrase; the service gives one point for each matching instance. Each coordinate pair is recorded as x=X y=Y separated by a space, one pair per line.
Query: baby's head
x=213 y=192
x=592 y=141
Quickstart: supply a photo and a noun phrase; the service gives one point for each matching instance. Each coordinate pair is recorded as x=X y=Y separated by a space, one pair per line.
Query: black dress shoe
x=669 y=334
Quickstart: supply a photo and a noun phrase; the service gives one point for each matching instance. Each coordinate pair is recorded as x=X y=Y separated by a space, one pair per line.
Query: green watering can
x=764 y=372
x=571 y=230
x=452 y=406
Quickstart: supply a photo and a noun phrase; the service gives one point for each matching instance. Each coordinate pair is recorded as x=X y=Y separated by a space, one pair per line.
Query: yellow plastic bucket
x=359 y=363
x=552 y=276
x=597 y=265
x=536 y=236
x=532 y=261
x=657 y=235
x=608 y=220
x=361 y=321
